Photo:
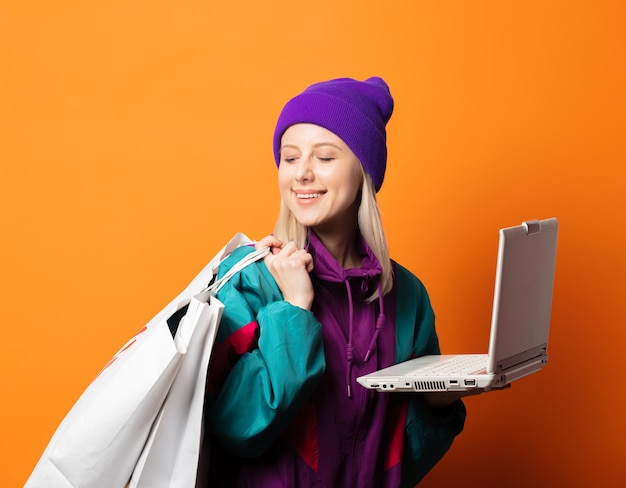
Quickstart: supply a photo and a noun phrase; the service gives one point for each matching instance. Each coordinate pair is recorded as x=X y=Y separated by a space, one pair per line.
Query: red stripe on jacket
x=226 y=354
x=395 y=433
x=302 y=435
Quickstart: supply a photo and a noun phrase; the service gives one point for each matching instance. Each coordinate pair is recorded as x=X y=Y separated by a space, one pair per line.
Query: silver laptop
x=520 y=322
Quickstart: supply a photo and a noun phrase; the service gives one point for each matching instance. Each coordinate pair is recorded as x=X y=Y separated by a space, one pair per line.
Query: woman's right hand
x=290 y=267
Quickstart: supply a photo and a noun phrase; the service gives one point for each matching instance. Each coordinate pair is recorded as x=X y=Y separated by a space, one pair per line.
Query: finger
x=290 y=253
x=268 y=241
x=284 y=250
x=289 y=258
x=308 y=261
x=289 y=248
x=304 y=259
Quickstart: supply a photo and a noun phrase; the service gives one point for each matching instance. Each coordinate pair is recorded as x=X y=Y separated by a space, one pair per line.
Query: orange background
x=135 y=139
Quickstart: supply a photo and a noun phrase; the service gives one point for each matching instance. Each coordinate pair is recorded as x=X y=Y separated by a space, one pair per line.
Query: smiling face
x=319 y=179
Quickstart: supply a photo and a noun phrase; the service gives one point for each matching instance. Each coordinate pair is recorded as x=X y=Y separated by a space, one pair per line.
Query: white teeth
x=308 y=195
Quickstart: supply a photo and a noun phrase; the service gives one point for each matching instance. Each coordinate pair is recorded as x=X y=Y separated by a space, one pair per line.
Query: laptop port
x=454 y=382
x=469 y=382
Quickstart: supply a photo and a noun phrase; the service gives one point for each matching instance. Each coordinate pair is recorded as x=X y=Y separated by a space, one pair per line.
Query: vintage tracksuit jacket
x=283 y=405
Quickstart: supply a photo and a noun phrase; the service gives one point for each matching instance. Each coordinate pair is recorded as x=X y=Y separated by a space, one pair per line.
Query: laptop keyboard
x=463 y=364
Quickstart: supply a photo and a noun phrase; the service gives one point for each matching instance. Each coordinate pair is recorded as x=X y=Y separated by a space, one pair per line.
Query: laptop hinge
x=520 y=365
x=513 y=361
x=521 y=370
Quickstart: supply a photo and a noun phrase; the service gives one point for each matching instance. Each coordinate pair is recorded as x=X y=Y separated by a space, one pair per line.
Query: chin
x=309 y=223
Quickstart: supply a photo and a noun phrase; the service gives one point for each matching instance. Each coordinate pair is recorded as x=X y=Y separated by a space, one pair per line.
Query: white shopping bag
x=99 y=442
x=170 y=456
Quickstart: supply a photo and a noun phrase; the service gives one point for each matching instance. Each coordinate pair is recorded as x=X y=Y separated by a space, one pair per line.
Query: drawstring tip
x=349 y=391
x=368 y=354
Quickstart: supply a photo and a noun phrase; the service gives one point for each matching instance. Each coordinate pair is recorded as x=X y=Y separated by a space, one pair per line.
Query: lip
x=307 y=194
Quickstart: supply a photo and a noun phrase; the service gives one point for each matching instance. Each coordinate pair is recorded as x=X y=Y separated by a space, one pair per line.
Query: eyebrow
x=319 y=144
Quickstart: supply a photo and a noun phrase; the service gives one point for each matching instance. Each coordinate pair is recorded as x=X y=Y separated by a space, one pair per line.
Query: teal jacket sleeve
x=266 y=362
x=428 y=434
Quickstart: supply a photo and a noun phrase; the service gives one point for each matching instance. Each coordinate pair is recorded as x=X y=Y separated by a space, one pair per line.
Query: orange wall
x=135 y=139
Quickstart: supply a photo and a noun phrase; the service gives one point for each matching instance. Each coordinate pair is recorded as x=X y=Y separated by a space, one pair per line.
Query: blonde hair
x=287 y=228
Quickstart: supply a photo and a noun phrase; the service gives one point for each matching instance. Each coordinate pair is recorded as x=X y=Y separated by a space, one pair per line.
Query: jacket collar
x=328 y=269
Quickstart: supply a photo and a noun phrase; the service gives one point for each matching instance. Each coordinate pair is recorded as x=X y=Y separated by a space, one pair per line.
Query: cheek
x=356 y=181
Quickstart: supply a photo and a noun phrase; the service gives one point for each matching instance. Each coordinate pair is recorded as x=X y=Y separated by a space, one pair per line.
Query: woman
x=326 y=306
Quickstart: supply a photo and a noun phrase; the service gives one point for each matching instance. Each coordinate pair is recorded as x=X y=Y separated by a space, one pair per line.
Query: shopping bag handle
x=248 y=259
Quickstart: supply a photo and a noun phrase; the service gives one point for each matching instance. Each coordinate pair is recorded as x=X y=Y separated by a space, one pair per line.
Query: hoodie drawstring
x=349 y=347
x=379 y=324
x=380 y=321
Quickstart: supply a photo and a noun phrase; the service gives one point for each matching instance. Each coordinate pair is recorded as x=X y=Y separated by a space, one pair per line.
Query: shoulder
x=407 y=283
x=415 y=332
x=234 y=257
x=254 y=283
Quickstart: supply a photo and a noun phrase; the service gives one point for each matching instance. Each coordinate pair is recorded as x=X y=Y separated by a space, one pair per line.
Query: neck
x=342 y=246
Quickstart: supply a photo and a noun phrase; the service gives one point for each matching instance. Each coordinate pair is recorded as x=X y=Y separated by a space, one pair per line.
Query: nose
x=304 y=170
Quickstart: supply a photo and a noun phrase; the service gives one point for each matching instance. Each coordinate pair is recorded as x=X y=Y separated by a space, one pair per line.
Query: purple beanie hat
x=356 y=111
